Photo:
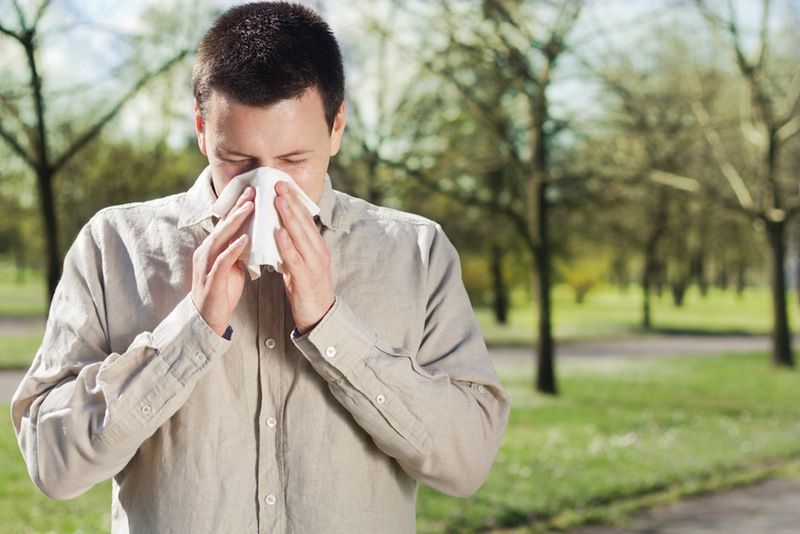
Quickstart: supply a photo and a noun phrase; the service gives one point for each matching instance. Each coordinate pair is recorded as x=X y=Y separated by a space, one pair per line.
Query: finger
x=226 y=229
x=302 y=229
x=228 y=257
x=293 y=262
x=299 y=210
x=246 y=195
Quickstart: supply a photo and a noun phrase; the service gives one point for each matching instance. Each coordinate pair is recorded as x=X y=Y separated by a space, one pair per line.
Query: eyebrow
x=230 y=152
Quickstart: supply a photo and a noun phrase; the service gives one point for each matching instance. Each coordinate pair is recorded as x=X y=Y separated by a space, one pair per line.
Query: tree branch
x=788 y=130
x=12 y=142
x=10 y=33
x=762 y=53
x=40 y=12
x=20 y=16
x=720 y=154
x=90 y=133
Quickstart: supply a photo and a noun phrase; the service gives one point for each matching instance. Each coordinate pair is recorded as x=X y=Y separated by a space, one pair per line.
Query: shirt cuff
x=338 y=345
x=186 y=342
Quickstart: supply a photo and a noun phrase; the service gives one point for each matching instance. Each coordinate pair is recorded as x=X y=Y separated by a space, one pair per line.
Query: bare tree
x=514 y=55
x=30 y=138
x=761 y=188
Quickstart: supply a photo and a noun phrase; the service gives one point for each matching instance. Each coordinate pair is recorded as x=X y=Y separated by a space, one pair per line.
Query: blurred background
x=621 y=179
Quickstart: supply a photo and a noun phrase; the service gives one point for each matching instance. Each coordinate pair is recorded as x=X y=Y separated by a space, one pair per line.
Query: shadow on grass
x=698 y=332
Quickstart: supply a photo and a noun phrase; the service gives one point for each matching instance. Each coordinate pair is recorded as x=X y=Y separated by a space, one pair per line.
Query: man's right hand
x=217 y=276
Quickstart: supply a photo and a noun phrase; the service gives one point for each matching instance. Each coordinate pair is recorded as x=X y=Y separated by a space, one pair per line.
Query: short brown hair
x=264 y=52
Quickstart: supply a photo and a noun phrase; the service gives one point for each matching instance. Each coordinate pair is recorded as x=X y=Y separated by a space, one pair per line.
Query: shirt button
x=271 y=422
x=146 y=409
x=270 y=499
x=380 y=399
x=330 y=352
x=270 y=269
x=270 y=343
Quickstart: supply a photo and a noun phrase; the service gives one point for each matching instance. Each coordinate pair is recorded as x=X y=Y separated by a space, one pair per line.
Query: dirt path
x=772 y=506
x=641 y=347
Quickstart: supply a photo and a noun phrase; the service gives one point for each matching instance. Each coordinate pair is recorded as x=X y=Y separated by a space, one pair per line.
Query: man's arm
x=81 y=412
x=442 y=420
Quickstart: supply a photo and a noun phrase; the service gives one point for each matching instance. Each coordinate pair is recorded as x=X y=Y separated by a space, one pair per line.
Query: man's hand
x=217 y=276
x=306 y=261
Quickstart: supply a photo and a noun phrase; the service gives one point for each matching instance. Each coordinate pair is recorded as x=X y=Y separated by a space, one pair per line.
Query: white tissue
x=263 y=225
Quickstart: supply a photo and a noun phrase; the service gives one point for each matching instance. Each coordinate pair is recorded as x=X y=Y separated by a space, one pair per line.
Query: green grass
x=27 y=298
x=622 y=430
x=610 y=313
x=606 y=313
x=25 y=510
x=626 y=428
x=17 y=351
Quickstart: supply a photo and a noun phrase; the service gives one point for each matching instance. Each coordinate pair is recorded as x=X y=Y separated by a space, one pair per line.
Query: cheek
x=308 y=176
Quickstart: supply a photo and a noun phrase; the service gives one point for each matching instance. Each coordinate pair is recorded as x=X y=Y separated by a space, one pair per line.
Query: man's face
x=291 y=135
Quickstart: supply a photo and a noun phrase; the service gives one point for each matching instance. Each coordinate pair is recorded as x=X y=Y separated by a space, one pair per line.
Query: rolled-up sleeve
x=81 y=411
x=440 y=410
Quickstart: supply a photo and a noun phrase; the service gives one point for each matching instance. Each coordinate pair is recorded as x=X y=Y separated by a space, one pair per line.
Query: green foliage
x=583 y=274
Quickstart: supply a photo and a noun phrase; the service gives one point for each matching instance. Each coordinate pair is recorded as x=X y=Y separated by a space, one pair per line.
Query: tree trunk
x=781 y=339
x=647 y=275
x=797 y=267
x=741 y=279
x=48 y=211
x=545 y=376
x=500 y=303
x=678 y=293
x=698 y=272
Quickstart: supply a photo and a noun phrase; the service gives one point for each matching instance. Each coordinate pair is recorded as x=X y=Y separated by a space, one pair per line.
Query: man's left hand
x=306 y=261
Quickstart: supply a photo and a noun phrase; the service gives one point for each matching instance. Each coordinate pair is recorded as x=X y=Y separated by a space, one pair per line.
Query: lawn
x=622 y=429
x=606 y=313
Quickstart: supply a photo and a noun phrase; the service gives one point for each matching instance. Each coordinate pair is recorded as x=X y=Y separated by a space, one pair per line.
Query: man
x=312 y=400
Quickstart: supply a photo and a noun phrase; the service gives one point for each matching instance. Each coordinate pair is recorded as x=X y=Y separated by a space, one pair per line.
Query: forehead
x=279 y=125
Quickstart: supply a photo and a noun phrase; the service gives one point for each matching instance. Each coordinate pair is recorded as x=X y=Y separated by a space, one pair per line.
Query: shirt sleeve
x=443 y=419
x=81 y=411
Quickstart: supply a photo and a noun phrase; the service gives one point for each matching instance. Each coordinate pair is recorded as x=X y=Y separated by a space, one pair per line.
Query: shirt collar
x=201 y=197
x=198 y=201
x=328 y=205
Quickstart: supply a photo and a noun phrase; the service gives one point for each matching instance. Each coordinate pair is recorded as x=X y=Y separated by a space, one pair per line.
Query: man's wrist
x=308 y=329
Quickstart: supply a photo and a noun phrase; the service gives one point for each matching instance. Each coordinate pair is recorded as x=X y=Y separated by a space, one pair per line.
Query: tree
x=28 y=127
x=513 y=48
x=759 y=186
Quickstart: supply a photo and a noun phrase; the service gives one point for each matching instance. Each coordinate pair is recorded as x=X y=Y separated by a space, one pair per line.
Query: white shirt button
x=330 y=352
x=146 y=409
x=270 y=499
x=380 y=399
x=271 y=422
x=270 y=269
x=270 y=343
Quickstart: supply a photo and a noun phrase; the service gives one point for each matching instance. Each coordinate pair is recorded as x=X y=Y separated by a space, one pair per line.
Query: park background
x=621 y=179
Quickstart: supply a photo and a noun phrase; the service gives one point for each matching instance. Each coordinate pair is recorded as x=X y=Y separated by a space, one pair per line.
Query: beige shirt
x=328 y=432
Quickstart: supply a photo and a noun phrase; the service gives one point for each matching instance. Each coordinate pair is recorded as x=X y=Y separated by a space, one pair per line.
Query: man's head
x=269 y=91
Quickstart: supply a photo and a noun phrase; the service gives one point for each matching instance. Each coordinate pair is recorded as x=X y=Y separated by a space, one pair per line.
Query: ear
x=338 y=129
x=199 y=127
